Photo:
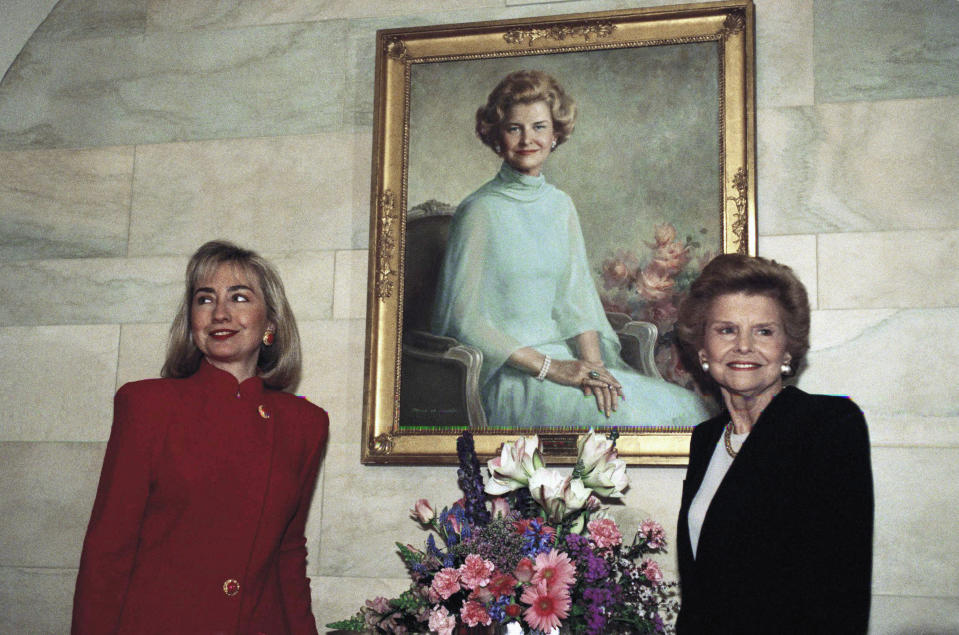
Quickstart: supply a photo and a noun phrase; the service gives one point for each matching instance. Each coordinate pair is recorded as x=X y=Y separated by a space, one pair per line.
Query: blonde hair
x=526 y=87
x=277 y=365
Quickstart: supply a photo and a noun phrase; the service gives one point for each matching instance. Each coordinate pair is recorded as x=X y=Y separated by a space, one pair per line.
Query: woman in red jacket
x=198 y=523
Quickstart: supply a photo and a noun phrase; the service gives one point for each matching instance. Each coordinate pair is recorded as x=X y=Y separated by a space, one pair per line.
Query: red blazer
x=786 y=545
x=198 y=524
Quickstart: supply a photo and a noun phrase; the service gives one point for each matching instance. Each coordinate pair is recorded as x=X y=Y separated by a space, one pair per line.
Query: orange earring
x=268 y=338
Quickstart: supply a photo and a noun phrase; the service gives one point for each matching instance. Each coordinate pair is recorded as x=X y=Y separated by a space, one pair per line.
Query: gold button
x=263 y=412
x=231 y=587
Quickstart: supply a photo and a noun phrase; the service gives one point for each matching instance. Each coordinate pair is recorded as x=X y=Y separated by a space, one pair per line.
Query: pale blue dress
x=515 y=274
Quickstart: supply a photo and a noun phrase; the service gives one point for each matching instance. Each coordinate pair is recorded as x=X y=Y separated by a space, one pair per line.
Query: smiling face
x=745 y=344
x=527 y=136
x=228 y=320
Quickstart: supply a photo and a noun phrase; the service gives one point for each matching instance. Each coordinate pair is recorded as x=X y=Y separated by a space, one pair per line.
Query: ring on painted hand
x=593 y=374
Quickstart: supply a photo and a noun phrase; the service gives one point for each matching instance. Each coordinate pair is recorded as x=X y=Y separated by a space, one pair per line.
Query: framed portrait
x=656 y=176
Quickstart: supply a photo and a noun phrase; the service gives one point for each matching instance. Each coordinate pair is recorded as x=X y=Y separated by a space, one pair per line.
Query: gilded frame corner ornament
x=729 y=24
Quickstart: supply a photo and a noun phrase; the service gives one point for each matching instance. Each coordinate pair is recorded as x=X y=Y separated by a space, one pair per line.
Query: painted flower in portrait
x=649 y=283
x=663 y=234
x=619 y=269
x=655 y=283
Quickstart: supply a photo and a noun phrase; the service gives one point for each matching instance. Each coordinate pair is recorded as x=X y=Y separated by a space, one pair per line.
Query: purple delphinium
x=445 y=558
x=535 y=540
x=471 y=481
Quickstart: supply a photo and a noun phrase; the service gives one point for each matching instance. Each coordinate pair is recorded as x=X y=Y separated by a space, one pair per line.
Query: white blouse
x=718 y=466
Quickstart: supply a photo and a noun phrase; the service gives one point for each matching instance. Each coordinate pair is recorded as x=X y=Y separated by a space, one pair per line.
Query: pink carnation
x=446 y=582
x=475 y=571
x=654 y=534
x=441 y=622
x=474 y=614
x=650 y=569
x=604 y=533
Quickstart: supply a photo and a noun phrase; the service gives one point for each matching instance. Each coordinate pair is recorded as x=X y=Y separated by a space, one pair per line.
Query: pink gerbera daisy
x=547 y=605
x=555 y=569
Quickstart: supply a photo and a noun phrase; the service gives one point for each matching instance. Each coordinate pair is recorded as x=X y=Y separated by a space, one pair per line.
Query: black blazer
x=786 y=545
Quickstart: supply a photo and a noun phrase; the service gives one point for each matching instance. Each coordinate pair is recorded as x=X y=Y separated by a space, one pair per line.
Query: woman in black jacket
x=775 y=528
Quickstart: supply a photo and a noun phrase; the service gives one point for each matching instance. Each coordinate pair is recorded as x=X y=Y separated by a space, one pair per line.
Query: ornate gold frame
x=729 y=24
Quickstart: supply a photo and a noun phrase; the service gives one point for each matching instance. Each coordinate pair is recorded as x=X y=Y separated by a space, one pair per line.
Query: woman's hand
x=592 y=378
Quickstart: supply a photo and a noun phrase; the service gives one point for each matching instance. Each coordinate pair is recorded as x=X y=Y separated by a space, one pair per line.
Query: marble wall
x=131 y=130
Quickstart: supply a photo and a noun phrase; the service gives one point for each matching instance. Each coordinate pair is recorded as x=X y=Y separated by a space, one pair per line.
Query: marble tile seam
x=918 y=99
x=915 y=446
x=154 y=30
x=348 y=130
x=130 y=199
x=895 y=313
x=353 y=577
x=322 y=130
x=917 y=596
x=875 y=232
x=823 y=305
x=860 y=232
x=36 y=567
x=269 y=254
x=51 y=442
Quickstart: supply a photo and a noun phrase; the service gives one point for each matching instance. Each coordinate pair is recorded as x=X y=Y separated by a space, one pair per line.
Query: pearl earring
x=705 y=366
x=786 y=369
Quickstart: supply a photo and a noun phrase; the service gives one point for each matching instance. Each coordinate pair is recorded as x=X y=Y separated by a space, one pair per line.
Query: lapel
x=702 y=443
x=743 y=483
x=701 y=453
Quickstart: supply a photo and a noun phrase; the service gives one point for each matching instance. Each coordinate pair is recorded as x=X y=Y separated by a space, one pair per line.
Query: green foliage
x=355 y=623
x=409 y=601
x=409 y=555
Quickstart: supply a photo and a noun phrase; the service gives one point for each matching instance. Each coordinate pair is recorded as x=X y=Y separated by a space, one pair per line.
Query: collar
x=218 y=382
x=519 y=186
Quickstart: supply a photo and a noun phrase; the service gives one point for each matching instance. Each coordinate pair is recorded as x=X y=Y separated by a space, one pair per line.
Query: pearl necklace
x=727 y=440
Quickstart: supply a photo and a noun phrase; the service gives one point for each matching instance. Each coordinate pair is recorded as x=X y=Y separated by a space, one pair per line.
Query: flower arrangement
x=531 y=551
x=651 y=289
